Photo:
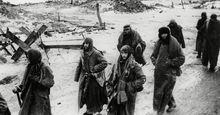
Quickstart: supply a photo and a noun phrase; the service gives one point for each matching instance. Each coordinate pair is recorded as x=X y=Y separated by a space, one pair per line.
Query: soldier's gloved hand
x=168 y=62
x=34 y=78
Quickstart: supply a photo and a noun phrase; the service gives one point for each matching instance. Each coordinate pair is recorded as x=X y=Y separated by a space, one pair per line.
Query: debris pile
x=130 y=6
x=8 y=79
x=9 y=13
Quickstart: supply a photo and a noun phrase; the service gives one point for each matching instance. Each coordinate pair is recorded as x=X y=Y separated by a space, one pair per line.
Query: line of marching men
x=126 y=78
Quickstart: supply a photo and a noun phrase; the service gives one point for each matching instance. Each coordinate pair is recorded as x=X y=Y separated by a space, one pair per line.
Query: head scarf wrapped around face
x=164 y=30
x=126 y=49
x=88 y=41
x=34 y=56
x=172 y=23
x=203 y=15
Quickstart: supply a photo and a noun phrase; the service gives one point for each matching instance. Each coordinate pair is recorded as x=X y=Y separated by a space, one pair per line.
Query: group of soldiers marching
x=126 y=78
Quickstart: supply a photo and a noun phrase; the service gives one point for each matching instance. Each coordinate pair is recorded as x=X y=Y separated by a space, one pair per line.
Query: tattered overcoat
x=134 y=79
x=93 y=63
x=35 y=95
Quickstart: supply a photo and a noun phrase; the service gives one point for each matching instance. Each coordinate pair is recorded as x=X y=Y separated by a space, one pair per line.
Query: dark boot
x=199 y=55
x=86 y=113
x=171 y=108
x=212 y=69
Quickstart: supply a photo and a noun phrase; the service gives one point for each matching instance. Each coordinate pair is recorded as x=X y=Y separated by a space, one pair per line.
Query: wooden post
x=58 y=17
x=172 y=5
x=182 y=4
x=98 y=15
x=24 y=30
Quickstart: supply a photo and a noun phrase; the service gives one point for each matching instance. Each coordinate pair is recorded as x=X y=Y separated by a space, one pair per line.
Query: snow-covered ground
x=196 y=94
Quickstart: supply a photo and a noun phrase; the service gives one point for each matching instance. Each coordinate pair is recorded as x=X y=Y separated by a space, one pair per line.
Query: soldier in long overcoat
x=35 y=86
x=133 y=39
x=176 y=32
x=126 y=80
x=167 y=57
x=91 y=77
x=211 y=42
x=200 y=35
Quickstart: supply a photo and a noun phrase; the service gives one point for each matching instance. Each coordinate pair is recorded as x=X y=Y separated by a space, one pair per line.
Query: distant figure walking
x=91 y=77
x=176 y=31
x=133 y=39
x=212 y=42
x=167 y=57
x=200 y=35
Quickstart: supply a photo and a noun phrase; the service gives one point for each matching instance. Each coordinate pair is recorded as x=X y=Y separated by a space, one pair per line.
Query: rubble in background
x=131 y=6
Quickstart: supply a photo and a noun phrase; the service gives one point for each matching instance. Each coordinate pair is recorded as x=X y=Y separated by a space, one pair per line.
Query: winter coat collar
x=89 y=53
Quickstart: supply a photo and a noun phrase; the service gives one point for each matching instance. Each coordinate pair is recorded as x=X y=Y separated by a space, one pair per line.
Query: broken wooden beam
x=63 y=46
x=71 y=44
x=16 y=40
x=6 y=50
x=41 y=30
x=30 y=40
x=24 y=30
x=86 y=26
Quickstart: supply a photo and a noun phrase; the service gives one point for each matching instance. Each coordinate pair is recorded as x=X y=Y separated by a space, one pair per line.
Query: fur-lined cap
x=163 y=30
x=213 y=16
x=88 y=41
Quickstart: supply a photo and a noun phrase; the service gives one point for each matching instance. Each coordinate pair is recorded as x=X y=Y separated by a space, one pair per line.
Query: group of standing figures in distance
x=126 y=78
x=208 y=40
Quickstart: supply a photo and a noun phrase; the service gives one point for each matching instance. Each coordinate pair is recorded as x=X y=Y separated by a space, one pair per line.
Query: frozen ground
x=197 y=91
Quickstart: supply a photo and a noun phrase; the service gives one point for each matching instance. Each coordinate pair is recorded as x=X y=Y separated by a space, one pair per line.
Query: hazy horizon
x=23 y=1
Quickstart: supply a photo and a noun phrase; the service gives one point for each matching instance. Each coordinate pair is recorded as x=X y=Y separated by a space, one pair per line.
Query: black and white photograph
x=109 y=57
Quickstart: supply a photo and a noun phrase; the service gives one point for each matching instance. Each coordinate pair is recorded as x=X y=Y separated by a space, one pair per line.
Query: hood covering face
x=34 y=56
x=203 y=15
x=213 y=17
x=87 y=41
x=172 y=23
x=164 y=30
x=213 y=24
x=126 y=49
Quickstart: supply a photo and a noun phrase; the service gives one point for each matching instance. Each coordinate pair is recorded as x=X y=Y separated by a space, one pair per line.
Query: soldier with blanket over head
x=35 y=86
x=126 y=80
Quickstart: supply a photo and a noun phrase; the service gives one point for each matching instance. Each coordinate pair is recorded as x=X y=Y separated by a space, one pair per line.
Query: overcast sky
x=23 y=1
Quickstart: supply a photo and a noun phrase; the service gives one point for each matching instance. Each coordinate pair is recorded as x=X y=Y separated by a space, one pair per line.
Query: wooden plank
x=16 y=40
x=6 y=50
x=24 y=30
x=30 y=40
x=41 y=30
x=63 y=46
